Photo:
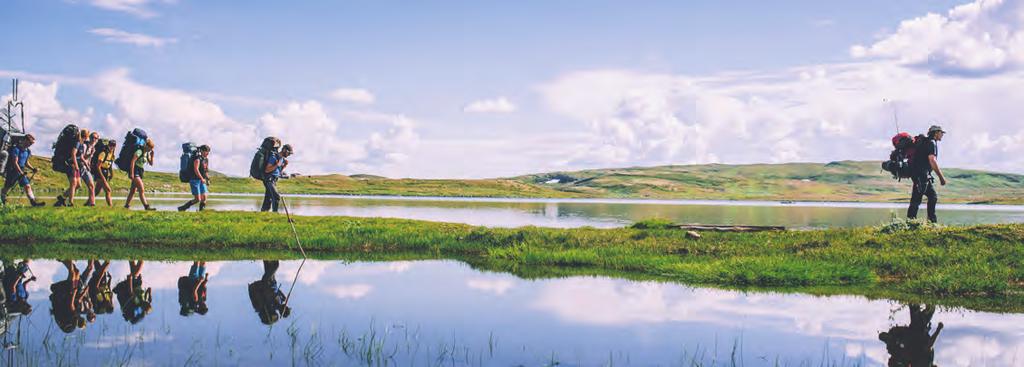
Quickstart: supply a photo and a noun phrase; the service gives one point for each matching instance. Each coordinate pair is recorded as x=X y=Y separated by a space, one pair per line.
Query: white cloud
x=353 y=95
x=139 y=8
x=978 y=38
x=137 y=39
x=798 y=114
x=494 y=105
x=496 y=286
x=45 y=116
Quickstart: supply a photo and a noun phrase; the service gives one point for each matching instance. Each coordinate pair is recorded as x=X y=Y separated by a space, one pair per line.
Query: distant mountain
x=836 y=181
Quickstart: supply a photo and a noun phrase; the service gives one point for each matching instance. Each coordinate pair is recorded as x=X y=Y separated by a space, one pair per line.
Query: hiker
x=266 y=296
x=924 y=163
x=74 y=171
x=192 y=290
x=17 y=170
x=98 y=288
x=914 y=344
x=85 y=160
x=15 y=281
x=276 y=162
x=102 y=167
x=140 y=157
x=136 y=302
x=199 y=178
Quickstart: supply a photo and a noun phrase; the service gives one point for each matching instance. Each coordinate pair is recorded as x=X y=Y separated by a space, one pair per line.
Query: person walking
x=102 y=168
x=85 y=163
x=276 y=163
x=925 y=162
x=74 y=171
x=200 y=180
x=141 y=156
x=17 y=170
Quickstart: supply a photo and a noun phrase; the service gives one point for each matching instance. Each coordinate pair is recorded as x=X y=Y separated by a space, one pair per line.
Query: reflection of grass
x=960 y=264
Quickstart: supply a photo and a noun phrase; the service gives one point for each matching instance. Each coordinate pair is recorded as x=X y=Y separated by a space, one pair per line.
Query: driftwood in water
x=721 y=228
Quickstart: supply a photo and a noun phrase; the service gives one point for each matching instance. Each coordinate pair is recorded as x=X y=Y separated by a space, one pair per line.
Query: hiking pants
x=923 y=186
x=270 y=196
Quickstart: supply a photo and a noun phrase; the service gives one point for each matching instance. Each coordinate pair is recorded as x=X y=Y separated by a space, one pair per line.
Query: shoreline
x=971 y=266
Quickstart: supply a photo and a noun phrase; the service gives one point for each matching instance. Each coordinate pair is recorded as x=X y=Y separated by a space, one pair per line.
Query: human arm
x=13 y=162
x=935 y=167
x=149 y=157
x=272 y=164
x=74 y=159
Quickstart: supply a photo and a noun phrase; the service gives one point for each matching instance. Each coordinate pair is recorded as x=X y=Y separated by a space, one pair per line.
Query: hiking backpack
x=133 y=140
x=188 y=155
x=901 y=159
x=103 y=158
x=258 y=166
x=66 y=142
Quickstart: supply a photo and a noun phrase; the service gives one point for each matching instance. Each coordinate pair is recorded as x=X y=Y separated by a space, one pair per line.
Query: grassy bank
x=979 y=266
x=837 y=181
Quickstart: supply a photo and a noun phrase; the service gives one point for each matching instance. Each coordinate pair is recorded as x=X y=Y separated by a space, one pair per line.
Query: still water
x=608 y=213
x=445 y=313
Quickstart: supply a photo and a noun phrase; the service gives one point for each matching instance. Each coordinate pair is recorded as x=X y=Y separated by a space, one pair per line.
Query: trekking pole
x=295 y=233
x=895 y=114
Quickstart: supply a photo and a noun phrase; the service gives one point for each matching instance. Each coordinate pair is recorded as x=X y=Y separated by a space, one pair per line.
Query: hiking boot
x=3 y=200
x=149 y=207
x=88 y=204
x=183 y=207
x=60 y=201
x=202 y=206
x=37 y=203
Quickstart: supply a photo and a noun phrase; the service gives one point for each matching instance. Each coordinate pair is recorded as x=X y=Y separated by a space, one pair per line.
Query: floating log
x=722 y=228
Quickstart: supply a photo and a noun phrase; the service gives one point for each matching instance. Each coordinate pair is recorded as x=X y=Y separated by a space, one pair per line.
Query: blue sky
x=669 y=78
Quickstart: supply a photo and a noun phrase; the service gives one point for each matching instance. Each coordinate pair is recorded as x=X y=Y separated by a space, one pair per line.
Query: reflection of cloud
x=113 y=341
x=311 y=272
x=970 y=338
x=352 y=291
x=496 y=286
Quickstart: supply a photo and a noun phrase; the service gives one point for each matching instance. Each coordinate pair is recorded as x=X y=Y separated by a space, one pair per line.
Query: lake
x=445 y=313
x=604 y=213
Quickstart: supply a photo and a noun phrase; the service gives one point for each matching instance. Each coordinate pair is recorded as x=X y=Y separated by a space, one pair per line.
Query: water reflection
x=135 y=300
x=70 y=304
x=192 y=290
x=913 y=344
x=266 y=296
x=16 y=277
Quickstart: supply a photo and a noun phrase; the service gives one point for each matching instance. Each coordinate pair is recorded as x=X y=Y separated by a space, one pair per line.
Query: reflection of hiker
x=15 y=279
x=199 y=178
x=924 y=162
x=98 y=286
x=266 y=296
x=192 y=290
x=136 y=302
x=140 y=157
x=69 y=300
x=17 y=170
x=912 y=345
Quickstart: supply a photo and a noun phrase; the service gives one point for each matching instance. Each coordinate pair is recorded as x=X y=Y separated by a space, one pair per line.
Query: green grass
x=836 y=181
x=974 y=266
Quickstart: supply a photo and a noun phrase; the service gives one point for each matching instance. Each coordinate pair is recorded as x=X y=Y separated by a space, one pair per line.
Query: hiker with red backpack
x=924 y=162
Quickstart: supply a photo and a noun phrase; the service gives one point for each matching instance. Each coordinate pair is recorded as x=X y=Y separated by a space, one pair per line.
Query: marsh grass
x=973 y=266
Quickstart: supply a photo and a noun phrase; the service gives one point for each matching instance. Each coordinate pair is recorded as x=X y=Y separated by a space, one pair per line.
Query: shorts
x=9 y=180
x=139 y=171
x=73 y=173
x=198 y=187
x=196 y=272
x=102 y=173
x=86 y=177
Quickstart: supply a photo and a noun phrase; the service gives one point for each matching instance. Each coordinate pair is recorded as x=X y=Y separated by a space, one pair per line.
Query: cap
x=935 y=128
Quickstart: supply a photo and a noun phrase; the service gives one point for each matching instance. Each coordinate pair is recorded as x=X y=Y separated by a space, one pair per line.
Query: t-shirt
x=20 y=155
x=924 y=149
x=204 y=166
x=141 y=158
x=272 y=160
x=80 y=153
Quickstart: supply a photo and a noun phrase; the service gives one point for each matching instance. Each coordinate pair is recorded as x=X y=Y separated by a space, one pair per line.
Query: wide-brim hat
x=936 y=128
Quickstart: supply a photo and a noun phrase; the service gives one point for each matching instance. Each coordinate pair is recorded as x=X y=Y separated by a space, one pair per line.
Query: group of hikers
x=83 y=294
x=88 y=162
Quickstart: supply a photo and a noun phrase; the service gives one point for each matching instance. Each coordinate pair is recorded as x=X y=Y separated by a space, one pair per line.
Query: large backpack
x=133 y=140
x=258 y=166
x=901 y=159
x=188 y=155
x=66 y=141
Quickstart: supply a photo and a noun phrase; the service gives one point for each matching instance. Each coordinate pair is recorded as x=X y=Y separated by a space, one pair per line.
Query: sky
x=473 y=89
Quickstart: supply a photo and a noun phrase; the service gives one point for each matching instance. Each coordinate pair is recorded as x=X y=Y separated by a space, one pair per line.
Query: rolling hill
x=836 y=181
